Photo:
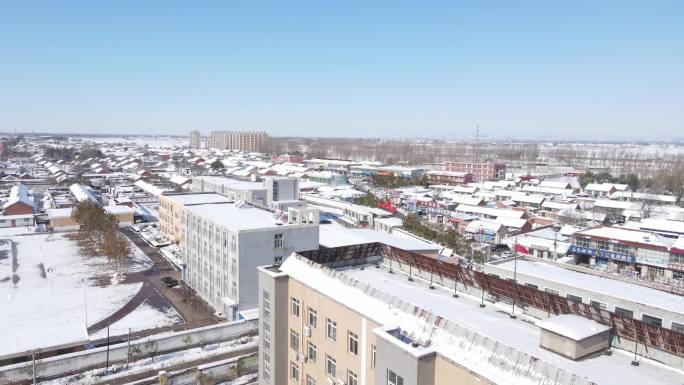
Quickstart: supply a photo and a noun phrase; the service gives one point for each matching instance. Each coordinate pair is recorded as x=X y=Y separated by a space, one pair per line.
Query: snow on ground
x=143 y=317
x=152 y=141
x=161 y=362
x=242 y=380
x=48 y=290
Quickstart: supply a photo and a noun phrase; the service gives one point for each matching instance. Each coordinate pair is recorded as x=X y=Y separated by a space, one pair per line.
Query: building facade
x=480 y=171
x=631 y=252
x=171 y=207
x=222 y=245
x=195 y=139
x=449 y=177
x=313 y=337
x=239 y=140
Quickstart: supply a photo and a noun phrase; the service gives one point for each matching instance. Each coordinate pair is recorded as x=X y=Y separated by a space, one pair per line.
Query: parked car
x=169 y=282
x=499 y=248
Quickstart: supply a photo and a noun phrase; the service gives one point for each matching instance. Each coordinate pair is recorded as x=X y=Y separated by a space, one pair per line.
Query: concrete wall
x=89 y=359
x=255 y=249
x=277 y=328
x=401 y=362
x=571 y=348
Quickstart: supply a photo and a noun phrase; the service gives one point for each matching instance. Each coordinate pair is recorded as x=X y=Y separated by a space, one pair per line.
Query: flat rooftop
x=238 y=218
x=471 y=336
x=618 y=289
x=231 y=184
x=336 y=236
x=627 y=234
x=198 y=198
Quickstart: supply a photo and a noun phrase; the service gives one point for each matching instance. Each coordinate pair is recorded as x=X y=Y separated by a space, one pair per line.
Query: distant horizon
x=610 y=70
x=675 y=141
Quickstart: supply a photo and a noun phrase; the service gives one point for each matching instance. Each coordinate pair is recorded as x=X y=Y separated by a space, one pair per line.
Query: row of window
x=311 y=350
x=330 y=327
x=330 y=369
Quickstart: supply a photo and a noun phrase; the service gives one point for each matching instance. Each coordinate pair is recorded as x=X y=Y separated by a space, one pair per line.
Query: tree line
x=448 y=238
x=100 y=232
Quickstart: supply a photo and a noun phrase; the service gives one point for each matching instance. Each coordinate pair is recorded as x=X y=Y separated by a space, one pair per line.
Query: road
x=192 y=308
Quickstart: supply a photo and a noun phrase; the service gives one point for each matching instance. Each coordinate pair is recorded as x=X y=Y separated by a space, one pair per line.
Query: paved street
x=192 y=308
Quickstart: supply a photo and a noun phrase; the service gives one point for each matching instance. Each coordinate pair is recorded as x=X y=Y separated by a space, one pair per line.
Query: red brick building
x=449 y=177
x=480 y=171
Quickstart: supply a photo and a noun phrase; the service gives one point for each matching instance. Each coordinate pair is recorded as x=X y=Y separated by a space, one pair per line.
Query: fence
x=154 y=345
x=667 y=340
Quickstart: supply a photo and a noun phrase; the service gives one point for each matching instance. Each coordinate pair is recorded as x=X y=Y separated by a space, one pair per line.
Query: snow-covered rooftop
x=336 y=236
x=238 y=217
x=484 y=340
x=572 y=326
x=618 y=289
x=628 y=235
x=197 y=198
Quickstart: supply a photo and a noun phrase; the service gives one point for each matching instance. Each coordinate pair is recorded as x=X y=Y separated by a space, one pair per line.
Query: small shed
x=573 y=336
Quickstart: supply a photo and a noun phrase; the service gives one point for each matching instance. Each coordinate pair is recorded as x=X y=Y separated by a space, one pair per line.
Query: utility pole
x=33 y=355
x=128 y=352
x=515 y=276
x=107 y=364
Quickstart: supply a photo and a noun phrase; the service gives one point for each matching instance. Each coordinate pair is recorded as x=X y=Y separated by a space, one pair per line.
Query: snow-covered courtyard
x=50 y=292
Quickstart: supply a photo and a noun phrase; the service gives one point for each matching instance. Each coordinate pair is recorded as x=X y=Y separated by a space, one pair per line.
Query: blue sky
x=565 y=70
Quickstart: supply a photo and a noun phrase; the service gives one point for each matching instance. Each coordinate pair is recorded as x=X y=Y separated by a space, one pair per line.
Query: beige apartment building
x=195 y=139
x=238 y=140
x=316 y=337
x=171 y=206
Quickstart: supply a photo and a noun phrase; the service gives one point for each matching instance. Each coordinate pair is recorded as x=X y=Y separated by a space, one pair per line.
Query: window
x=574 y=298
x=295 y=307
x=331 y=329
x=294 y=371
x=532 y=286
x=275 y=191
x=330 y=366
x=352 y=379
x=294 y=340
x=624 y=312
x=678 y=327
x=393 y=378
x=597 y=305
x=310 y=380
x=603 y=245
x=353 y=343
x=278 y=241
x=266 y=305
x=313 y=318
x=582 y=242
x=620 y=248
x=311 y=352
x=655 y=321
x=372 y=356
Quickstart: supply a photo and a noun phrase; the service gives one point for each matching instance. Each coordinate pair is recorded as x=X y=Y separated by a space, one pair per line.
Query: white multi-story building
x=222 y=245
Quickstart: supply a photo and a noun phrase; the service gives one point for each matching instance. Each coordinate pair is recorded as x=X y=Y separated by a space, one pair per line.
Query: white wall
x=88 y=359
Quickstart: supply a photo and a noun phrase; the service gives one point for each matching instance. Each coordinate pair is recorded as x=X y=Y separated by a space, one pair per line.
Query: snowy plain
x=50 y=292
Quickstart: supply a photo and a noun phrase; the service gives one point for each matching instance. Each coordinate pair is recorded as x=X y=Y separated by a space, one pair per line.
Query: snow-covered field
x=49 y=292
x=152 y=141
x=143 y=317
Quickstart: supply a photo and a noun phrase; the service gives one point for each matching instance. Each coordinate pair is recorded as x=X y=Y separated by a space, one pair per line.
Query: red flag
x=521 y=249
